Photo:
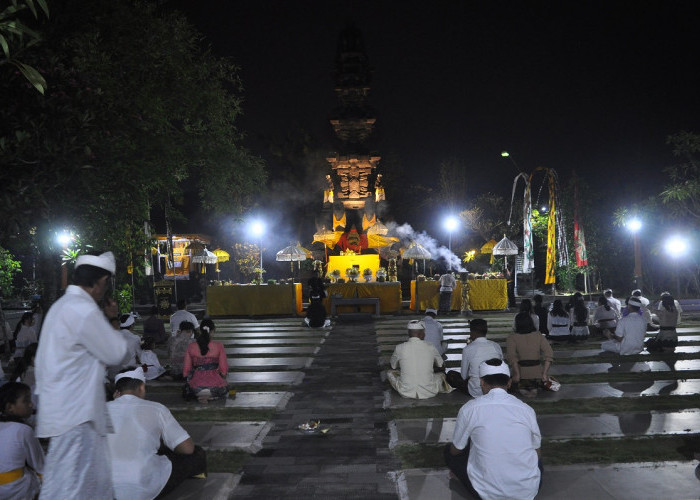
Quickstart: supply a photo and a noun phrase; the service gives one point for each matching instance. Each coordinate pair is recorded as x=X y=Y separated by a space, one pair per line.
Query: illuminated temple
x=354 y=192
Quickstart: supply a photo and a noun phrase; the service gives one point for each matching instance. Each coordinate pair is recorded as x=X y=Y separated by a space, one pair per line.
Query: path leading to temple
x=342 y=389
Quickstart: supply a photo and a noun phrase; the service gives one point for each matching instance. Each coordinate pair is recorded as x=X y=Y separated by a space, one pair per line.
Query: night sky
x=594 y=87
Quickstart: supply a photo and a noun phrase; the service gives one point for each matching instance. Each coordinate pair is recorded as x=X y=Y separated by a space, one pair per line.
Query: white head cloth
x=416 y=325
x=486 y=369
x=127 y=322
x=103 y=261
x=634 y=301
x=431 y=310
x=137 y=374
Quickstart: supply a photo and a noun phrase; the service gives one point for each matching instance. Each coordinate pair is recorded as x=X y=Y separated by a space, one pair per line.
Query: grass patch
x=567 y=406
x=222 y=415
x=226 y=461
x=576 y=451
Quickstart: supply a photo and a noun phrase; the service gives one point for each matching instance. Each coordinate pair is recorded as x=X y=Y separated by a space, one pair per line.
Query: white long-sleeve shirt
x=76 y=344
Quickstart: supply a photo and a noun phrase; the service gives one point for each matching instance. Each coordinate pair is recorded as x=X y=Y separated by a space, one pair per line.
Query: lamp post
x=258 y=229
x=506 y=154
x=634 y=225
x=64 y=238
x=451 y=223
x=677 y=247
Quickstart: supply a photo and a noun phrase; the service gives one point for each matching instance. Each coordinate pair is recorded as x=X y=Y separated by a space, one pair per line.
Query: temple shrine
x=354 y=192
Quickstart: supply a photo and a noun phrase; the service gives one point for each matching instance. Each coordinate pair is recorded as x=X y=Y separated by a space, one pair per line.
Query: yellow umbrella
x=488 y=248
x=221 y=256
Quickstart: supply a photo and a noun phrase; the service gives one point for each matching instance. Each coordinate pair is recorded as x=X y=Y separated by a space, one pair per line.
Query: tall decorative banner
x=579 y=237
x=550 y=278
x=528 y=256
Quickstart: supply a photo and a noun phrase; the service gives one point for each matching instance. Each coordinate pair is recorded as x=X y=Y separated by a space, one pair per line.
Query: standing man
x=447 y=285
x=614 y=303
x=433 y=332
x=629 y=334
x=478 y=350
x=77 y=342
x=495 y=450
x=416 y=379
x=182 y=314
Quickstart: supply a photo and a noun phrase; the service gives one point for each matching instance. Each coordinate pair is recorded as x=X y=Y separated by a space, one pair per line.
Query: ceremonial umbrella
x=221 y=256
x=204 y=257
x=417 y=251
x=505 y=247
x=488 y=248
x=328 y=237
x=291 y=254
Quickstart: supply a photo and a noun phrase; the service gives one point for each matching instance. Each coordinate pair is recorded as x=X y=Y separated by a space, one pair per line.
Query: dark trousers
x=458 y=465
x=184 y=466
x=454 y=378
x=445 y=302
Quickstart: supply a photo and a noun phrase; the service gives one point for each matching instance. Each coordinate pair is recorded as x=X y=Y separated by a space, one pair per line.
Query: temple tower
x=354 y=187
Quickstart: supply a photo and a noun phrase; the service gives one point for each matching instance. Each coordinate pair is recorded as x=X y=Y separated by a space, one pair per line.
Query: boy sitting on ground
x=141 y=468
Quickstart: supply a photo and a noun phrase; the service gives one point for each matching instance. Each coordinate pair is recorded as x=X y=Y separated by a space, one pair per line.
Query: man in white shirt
x=630 y=332
x=478 y=350
x=76 y=343
x=495 y=450
x=416 y=379
x=614 y=303
x=447 y=285
x=182 y=314
x=139 y=471
x=433 y=332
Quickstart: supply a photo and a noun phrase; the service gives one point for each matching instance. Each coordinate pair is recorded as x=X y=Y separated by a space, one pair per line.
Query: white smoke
x=408 y=235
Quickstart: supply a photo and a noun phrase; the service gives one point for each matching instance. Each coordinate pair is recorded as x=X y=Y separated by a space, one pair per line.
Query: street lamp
x=257 y=227
x=677 y=246
x=506 y=154
x=64 y=238
x=634 y=225
x=451 y=223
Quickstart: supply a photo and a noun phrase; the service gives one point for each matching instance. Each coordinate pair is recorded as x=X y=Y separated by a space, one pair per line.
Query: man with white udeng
x=433 y=332
x=495 y=450
x=417 y=378
x=76 y=344
x=629 y=334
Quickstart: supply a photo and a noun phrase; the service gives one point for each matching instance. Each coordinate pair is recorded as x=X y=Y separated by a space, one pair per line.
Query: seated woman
x=529 y=355
x=24 y=334
x=526 y=307
x=206 y=366
x=558 y=322
x=177 y=346
x=668 y=320
x=604 y=317
x=21 y=455
x=578 y=319
x=150 y=363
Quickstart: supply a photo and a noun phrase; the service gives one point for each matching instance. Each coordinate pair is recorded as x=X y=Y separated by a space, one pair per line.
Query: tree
x=487 y=217
x=139 y=117
x=16 y=37
x=9 y=268
x=682 y=195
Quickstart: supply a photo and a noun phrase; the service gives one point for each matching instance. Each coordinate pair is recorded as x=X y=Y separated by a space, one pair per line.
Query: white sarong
x=77 y=466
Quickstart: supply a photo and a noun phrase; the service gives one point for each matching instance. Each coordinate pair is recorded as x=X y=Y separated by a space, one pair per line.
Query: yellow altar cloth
x=342 y=262
x=484 y=295
x=389 y=294
x=254 y=300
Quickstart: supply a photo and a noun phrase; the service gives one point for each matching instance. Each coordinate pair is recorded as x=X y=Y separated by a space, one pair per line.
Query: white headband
x=127 y=322
x=486 y=369
x=430 y=310
x=137 y=374
x=634 y=301
x=104 y=261
x=416 y=325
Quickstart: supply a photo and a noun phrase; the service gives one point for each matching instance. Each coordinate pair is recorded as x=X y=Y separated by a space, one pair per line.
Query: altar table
x=254 y=300
x=388 y=293
x=484 y=295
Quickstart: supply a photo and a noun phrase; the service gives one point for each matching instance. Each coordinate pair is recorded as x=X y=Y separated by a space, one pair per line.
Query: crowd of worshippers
x=495 y=450
x=74 y=419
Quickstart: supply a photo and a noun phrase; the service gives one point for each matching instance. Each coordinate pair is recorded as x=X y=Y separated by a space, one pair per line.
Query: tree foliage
x=9 y=268
x=682 y=195
x=139 y=116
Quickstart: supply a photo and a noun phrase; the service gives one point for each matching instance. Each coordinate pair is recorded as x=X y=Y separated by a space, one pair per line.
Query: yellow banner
x=550 y=278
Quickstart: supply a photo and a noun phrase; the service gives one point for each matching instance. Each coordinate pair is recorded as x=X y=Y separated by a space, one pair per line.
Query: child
x=24 y=334
x=151 y=366
x=21 y=456
x=177 y=345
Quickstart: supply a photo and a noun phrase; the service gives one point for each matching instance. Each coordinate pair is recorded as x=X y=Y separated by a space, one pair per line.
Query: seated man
x=495 y=450
x=474 y=353
x=416 y=379
x=138 y=469
x=433 y=332
x=182 y=314
x=154 y=327
x=629 y=334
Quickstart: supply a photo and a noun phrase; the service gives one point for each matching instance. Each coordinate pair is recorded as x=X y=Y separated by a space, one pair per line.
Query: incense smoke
x=408 y=235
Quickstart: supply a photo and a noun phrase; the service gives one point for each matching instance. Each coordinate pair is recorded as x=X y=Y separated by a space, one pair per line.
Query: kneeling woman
x=206 y=366
x=526 y=349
